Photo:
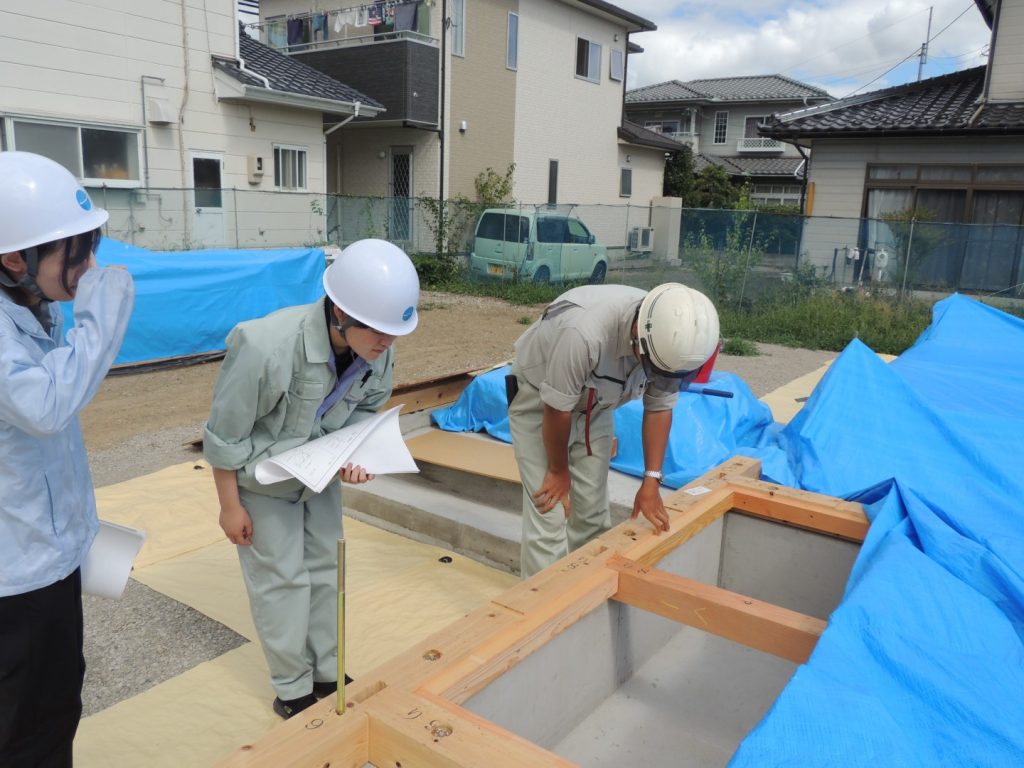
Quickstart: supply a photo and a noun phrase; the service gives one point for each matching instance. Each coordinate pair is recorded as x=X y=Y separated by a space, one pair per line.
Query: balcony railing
x=759 y=144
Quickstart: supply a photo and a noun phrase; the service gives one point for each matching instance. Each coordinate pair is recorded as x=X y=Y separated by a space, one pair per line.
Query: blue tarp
x=186 y=302
x=922 y=663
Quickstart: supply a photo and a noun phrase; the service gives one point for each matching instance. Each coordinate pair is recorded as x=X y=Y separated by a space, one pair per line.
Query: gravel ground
x=141 y=423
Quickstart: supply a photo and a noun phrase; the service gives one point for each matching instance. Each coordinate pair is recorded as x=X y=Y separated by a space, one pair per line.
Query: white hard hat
x=677 y=328
x=374 y=282
x=40 y=201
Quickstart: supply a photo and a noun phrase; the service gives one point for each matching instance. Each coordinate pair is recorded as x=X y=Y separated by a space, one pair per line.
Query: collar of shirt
x=315 y=337
x=623 y=346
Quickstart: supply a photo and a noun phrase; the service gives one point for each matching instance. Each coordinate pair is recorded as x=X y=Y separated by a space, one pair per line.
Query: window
x=750 y=126
x=625 y=182
x=97 y=156
x=616 y=65
x=721 y=126
x=588 y=60
x=552 y=182
x=289 y=167
x=551 y=231
x=662 y=126
x=458 y=27
x=577 y=233
x=512 y=42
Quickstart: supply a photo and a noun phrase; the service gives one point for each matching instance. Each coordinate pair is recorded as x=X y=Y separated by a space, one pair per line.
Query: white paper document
x=109 y=561
x=376 y=445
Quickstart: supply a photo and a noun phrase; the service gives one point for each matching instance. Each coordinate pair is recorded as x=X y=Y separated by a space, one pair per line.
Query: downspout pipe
x=241 y=61
x=355 y=113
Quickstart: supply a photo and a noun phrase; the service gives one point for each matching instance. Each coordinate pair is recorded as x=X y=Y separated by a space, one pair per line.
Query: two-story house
x=947 y=149
x=470 y=86
x=171 y=117
x=719 y=117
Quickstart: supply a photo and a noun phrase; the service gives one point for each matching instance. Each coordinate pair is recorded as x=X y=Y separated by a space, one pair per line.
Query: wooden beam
x=755 y=624
x=317 y=736
x=424 y=731
x=803 y=509
x=482 y=456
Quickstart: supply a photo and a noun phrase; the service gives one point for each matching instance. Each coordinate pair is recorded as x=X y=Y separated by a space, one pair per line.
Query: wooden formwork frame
x=407 y=712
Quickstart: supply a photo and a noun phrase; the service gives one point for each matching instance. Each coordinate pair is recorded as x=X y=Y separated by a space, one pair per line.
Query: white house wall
x=562 y=117
x=82 y=63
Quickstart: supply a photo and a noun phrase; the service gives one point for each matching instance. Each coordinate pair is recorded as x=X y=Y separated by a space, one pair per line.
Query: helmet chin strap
x=27 y=282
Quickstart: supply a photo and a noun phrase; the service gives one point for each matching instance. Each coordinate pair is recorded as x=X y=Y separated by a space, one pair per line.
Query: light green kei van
x=536 y=245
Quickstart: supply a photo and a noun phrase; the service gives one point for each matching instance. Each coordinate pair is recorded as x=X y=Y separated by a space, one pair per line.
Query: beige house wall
x=1008 y=53
x=483 y=94
x=839 y=172
x=560 y=116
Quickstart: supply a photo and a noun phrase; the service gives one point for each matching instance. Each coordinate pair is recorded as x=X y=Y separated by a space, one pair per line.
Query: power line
x=916 y=51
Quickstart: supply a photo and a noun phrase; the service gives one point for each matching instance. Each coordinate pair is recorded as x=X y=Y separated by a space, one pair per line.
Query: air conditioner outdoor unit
x=641 y=239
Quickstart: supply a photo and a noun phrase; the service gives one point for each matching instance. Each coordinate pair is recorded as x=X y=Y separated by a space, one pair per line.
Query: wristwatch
x=655 y=474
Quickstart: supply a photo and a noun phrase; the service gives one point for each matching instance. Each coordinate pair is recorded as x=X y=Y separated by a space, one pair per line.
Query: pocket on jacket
x=301 y=402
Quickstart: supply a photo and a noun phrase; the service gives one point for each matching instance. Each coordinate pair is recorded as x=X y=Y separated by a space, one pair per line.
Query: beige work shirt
x=581 y=345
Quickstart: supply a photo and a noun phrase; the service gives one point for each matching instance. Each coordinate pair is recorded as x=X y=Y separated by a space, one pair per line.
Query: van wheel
x=542 y=275
x=598 y=274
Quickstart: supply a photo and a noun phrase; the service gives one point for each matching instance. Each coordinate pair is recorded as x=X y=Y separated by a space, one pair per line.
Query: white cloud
x=838 y=45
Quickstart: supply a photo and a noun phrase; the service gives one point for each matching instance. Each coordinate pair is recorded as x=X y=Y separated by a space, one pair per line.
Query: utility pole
x=924 y=45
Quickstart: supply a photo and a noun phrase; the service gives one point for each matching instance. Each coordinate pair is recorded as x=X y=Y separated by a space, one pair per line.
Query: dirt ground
x=142 y=422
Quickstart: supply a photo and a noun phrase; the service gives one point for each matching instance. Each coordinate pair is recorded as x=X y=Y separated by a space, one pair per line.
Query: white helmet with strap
x=677 y=329
x=40 y=202
x=375 y=283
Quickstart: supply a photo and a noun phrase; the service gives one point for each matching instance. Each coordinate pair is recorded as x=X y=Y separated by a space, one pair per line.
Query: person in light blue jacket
x=49 y=229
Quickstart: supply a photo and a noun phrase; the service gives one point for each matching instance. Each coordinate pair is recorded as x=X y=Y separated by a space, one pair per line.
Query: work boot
x=320 y=690
x=289 y=707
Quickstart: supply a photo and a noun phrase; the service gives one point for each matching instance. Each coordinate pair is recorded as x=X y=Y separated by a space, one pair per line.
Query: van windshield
x=501 y=226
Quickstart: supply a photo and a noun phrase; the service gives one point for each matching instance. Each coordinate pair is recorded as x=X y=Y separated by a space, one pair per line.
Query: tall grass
x=830 y=320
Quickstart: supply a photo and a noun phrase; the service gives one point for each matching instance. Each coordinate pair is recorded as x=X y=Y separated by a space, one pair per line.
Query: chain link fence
x=738 y=254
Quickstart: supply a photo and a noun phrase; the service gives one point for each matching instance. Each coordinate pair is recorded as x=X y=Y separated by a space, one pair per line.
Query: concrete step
x=458 y=509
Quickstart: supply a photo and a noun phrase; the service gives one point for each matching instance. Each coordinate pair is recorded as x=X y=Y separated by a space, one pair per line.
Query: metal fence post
x=234 y=198
x=906 y=256
x=746 y=271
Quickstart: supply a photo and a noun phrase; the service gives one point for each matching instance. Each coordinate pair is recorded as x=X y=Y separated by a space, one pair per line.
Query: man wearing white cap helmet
x=290 y=377
x=597 y=347
x=48 y=231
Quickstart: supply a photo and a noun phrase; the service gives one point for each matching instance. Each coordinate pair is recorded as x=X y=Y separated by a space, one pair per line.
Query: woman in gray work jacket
x=288 y=378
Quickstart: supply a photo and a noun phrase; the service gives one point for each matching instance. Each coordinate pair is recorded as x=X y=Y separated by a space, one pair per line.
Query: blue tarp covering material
x=922 y=663
x=186 y=302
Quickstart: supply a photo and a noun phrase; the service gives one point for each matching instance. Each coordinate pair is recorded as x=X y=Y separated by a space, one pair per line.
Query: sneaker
x=289 y=707
x=320 y=690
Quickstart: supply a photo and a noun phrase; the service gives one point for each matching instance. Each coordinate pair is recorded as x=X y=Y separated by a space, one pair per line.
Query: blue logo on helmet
x=83 y=200
x=409 y=311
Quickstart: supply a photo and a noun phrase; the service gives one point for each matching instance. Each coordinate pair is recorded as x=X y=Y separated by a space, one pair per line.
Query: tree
x=678 y=178
x=712 y=188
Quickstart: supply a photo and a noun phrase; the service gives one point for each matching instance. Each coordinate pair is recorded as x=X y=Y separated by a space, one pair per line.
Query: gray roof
x=752 y=88
x=945 y=105
x=637 y=134
x=287 y=74
x=750 y=166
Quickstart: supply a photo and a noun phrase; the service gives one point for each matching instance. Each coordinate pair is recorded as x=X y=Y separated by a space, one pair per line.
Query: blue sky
x=839 y=45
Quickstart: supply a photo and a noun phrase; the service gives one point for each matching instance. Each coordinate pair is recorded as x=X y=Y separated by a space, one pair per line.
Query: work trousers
x=41 y=674
x=291 y=575
x=548 y=537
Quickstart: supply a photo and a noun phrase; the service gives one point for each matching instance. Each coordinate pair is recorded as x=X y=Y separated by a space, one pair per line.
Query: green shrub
x=739 y=347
